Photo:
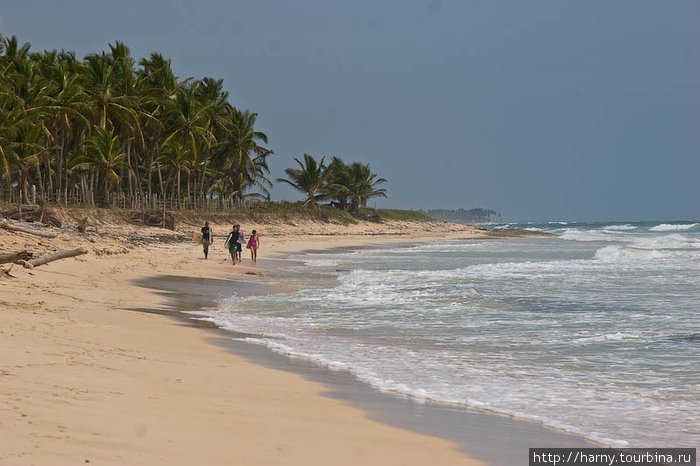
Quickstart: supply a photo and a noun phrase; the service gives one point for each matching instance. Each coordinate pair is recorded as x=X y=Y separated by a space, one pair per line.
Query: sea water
x=595 y=331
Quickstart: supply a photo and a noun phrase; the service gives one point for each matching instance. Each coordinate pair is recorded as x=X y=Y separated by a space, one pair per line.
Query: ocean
x=594 y=331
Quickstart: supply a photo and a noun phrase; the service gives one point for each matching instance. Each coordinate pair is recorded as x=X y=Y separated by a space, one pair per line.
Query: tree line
x=87 y=129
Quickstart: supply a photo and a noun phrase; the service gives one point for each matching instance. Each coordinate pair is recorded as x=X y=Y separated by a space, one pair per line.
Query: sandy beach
x=85 y=379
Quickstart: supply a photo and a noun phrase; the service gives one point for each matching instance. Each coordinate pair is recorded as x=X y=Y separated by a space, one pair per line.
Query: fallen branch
x=9 y=226
x=14 y=257
x=53 y=257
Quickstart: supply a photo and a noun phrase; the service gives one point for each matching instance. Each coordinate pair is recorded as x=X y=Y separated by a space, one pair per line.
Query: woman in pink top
x=253 y=244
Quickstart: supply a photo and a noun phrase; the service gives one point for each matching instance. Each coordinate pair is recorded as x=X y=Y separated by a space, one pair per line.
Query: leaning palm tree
x=308 y=178
x=104 y=157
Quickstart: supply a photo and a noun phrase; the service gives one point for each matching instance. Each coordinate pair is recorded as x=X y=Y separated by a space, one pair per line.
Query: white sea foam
x=623 y=254
x=673 y=227
x=575 y=234
x=616 y=336
x=502 y=227
x=673 y=241
x=625 y=227
x=500 y=324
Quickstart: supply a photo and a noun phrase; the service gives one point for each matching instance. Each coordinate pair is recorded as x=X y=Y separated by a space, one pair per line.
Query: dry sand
x=85 y=380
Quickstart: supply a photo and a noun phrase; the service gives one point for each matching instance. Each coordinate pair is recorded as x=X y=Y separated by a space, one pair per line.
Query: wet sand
x=85 y=379
x=488 y=437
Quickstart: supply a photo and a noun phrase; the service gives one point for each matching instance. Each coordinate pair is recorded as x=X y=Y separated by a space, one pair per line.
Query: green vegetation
x=103 y=131
x=348 y=187
x=404 y=215
x=333 y=214
x=100 y=130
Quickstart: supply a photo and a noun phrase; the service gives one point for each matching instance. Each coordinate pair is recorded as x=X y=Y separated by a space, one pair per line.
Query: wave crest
x=673 y=227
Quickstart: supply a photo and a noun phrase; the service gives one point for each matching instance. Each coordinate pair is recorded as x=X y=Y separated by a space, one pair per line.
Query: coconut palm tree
x=337 y=182
x=67 y=113
x=363 y=186
x=309 y=178
x=157 y=84
x=104 y=157
x=176 y=159
x=25 y=151
x=103 y=105
x=241 y=156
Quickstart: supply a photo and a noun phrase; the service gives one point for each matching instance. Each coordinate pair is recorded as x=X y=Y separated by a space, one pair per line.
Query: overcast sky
x=541 y=110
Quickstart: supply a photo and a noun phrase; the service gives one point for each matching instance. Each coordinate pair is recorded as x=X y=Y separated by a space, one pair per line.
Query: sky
x=540 y=110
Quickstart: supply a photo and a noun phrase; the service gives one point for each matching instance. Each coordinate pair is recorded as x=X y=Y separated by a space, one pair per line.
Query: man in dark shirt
x=207 y=238
x=232 y=243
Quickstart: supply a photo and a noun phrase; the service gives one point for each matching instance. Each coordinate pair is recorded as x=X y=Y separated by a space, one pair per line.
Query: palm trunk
x=129 y=169
x=49 y=178
x=39 y=181
x=204 y=177
x=105 y=192
x=24 y=185
x=92 y=190
x=178 y=187
x=59 y=168
x=160 y=180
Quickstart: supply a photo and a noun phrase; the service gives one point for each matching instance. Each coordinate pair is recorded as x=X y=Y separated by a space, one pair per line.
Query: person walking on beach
x=253 y=244
x=241 y=242
x=207 y=239
x=232 y=243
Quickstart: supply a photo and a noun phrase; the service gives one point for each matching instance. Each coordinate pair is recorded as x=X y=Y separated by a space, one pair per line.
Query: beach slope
x=86 y=379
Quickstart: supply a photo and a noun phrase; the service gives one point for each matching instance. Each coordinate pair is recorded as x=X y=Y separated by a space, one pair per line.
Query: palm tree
x=177 y=159
x=241 y=156
x=126 y=85
x=187 y=120
x=221 y=190
x=80 y=107
x=14 y=54
x=110 y=106
x=66 y=113
x=157 y=84
x=24 y=152
x=337 y=182
x=104 y=157
x=308 y=178
x=363 y=186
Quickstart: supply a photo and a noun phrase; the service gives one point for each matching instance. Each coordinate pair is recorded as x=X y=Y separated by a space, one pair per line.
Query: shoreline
x=89 y=382
x=477 y=433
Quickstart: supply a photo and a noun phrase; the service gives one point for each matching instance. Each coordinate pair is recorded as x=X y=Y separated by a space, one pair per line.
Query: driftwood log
x=14 y=257
x=9 y=226
x=42 y=214
x=30 y=264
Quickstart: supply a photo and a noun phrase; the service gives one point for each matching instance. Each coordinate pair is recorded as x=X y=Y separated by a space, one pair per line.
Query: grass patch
x=397 y=214
x=321 y=213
